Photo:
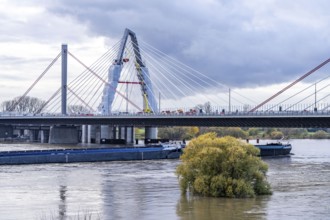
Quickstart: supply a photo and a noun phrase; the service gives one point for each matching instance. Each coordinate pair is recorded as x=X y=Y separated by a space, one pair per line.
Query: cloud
x=244 y=44
x=31 y=36
x=241 y=43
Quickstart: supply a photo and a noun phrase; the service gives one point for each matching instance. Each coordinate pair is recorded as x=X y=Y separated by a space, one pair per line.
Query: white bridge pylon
x=149 y=101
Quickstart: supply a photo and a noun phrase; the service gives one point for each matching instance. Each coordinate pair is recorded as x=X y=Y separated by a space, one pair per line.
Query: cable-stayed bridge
x=135 y=84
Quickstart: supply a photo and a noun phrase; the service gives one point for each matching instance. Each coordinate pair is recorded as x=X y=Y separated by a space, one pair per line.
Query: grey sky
x=242 y=43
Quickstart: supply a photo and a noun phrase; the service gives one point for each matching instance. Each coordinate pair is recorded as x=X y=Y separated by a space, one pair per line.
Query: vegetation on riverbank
x=179 y=133
x=222 y=167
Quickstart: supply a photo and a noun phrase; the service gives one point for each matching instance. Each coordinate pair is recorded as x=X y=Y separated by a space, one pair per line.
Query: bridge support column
x=114 y=133
x=63 y=135
x=106 y=132
x=109 y=132
x=84 y=134
x=130 y=136
x=93 y=133
x=97 y=132
x=151 y=132
x=33 y=135
x=89 y=133
x=29 y=133
x=43 y=136
x=122 y=132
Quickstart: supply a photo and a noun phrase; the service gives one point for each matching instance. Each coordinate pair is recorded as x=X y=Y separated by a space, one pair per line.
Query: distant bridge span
x=309 y=120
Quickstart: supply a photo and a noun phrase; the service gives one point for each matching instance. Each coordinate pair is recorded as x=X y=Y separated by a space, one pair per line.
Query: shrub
x=222 y=167
x=320 y=135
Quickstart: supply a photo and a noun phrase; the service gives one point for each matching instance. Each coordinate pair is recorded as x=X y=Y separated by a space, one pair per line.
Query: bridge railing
x=257 y=113
x=175 y=113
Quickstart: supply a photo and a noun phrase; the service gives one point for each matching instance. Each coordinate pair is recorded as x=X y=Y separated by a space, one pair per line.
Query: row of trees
x=179 y=133
x=32 y=105
x=21 y=104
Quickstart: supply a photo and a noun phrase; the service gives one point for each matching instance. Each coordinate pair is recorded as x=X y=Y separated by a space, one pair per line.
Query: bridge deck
x=277 y=119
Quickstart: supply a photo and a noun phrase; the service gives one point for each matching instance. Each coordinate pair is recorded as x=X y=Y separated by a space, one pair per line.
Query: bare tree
x=246 y=107
x=21 y=104
x=77 y=109
x=206 y=107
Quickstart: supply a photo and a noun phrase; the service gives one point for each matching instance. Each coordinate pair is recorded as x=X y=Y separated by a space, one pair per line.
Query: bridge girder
x=311 y=121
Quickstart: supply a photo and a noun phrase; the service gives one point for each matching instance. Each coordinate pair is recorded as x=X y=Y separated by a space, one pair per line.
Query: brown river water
x=150 y=190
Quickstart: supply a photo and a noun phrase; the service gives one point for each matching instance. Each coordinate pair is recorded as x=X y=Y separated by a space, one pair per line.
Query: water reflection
x=140 y=190
x=194 y=207
x=62 y=204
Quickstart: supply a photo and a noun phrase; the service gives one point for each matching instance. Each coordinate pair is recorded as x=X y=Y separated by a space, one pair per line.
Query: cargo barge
x=148 y=152
x=152 y=152
x=274 y=149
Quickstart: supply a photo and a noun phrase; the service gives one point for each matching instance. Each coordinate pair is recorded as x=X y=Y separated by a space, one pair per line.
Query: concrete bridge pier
x=63 y=135
x=126 y=133
x=96 y=134
x=109 y=132
x=151 y=132
x=105 y=131
x=93 y=133
x=121 y=132
x=33 y=135
x=44 y=136
x=114 y=133
x=89 y=134
x=84 y=134
x=130 y=135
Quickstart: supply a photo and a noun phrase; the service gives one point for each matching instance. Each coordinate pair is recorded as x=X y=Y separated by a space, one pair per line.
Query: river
x=150 y=190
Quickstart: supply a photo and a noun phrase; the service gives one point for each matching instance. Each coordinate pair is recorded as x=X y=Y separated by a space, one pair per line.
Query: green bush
x=320 y=135
x=276 y=135
x=230 y=131
x=222 y=167
x=177 y=133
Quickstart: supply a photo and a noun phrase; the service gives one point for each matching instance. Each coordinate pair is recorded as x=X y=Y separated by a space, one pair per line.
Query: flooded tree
x=222 y=167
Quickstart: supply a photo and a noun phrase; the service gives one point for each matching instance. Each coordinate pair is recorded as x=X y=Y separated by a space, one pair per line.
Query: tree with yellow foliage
x=222 y=167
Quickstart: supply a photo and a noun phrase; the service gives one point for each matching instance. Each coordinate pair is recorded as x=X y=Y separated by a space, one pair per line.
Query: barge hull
x=274 y=150
x=86 y=155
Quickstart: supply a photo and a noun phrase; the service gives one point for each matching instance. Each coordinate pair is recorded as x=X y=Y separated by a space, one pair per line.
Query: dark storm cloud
x=240 y=43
